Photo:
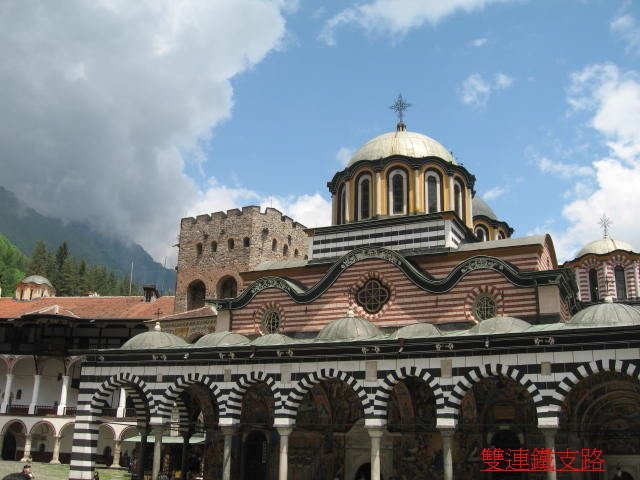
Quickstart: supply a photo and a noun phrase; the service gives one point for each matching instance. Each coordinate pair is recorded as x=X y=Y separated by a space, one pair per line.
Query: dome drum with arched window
x=401 y=173
x=486 y=225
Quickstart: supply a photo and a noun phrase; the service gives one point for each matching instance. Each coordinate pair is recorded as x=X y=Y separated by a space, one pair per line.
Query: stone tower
x=214 y=249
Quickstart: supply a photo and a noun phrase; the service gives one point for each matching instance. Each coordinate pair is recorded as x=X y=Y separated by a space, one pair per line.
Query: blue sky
x=177 y=110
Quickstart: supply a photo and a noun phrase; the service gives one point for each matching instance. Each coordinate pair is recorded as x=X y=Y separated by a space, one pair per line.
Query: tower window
x=246 y=242
x=231 y=244
x=228 y=288
x=458 y=202
x=285 y=250
x=214 y=247
x=398 y=192
x=484 y=307
x=198 y=249
x=196 y=294
x=482 y=233
x=342 y=205
x=274 y=245
x=432 y=189
x=296 y=253
x=593 y=285
x=363 y=200
x=621 y=283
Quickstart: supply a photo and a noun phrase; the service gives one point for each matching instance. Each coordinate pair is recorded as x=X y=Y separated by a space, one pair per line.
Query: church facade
x=415 y=337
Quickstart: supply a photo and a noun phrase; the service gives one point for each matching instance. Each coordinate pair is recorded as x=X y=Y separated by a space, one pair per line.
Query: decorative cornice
x=420 y=278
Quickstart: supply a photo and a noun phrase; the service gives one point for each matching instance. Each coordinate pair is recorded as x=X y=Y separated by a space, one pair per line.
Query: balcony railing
x=109 y=412
x=45 y=410
x=71 y=411
x=17 y=409
x=130 y=412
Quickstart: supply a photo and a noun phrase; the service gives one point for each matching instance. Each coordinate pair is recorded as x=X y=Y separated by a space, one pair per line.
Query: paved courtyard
x=45 y=471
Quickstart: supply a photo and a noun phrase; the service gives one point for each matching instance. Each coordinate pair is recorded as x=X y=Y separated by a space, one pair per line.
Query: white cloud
x=106 y=103
x=397 y=17
x=478 y=42
x=494 y=193
x=612 y=99
x=310 y=210
x=626 y=27
x=562 y=169
x=502 y=81
x=475 y=91
x=344 y=154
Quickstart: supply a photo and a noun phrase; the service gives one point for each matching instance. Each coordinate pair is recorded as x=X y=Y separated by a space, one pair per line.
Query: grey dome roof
x=272 y=339
x=496 y=325
x=417 y=330
x=348 y=328
x=153 y=339
x=606 y=314
x=221 y=339
x=408 y=144
x=37 y=279
x=604 y=245
x=480 y=207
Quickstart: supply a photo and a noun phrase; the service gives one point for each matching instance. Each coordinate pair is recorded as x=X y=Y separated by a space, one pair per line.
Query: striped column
x=85 y=444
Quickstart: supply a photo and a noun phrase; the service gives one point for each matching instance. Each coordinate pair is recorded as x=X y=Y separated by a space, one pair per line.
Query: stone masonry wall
x=218 y=260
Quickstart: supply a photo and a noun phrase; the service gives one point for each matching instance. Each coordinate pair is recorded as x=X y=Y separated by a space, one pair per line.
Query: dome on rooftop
x=417 y=330
x=37 y=279
x=604 y=245
x=272 y=339
x=607 y=314
x=348 y=328
x=221 y=339
x=497 y=325
x=480 y=207
x=153 y=339
x=401 y=142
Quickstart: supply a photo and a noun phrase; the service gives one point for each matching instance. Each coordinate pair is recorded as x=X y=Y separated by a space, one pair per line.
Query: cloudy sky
x=131 y=115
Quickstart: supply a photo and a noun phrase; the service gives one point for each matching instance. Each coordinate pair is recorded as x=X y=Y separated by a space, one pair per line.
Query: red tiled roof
x=89 y=307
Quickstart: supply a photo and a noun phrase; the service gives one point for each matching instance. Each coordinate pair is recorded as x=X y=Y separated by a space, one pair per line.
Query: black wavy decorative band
x=300 y=294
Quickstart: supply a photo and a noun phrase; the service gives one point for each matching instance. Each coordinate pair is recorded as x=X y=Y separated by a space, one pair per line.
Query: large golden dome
x=401 y=142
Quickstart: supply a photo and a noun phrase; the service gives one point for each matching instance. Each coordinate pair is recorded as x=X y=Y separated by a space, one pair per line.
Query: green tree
x=39 y=260
x=13 y=264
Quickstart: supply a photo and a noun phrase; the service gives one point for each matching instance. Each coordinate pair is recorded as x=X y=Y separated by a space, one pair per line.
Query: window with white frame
x=458 y=199
x=482 y=233
x=342 y=205
x=621 y=282
x=398 y=192
x=432 y=192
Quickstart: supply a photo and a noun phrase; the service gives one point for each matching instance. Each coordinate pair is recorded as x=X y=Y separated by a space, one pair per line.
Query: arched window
x=198 y=249
x=397 y=192
x=246 y=242
x=342 y=205
x=296 y=253
x=481 y=233
x=227 y=288
x=432 y=192
x=621 y=283
x=593 y=285
x=19 y=394
x=196 y=294
x=363 y=197
x=285 y=250
x=274 y=245
x=458 y=199
x=231 y=243
x=214 y=247
x=501 y=235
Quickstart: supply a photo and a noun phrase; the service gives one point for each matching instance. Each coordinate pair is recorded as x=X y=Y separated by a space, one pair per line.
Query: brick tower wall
x=213 y=265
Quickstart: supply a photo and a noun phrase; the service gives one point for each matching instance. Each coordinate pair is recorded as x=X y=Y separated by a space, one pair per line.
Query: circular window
x=484 y=307
x=372 y=296
x=271 y=321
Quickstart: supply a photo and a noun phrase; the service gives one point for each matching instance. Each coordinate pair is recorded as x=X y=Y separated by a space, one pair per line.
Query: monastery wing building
x=415 y=337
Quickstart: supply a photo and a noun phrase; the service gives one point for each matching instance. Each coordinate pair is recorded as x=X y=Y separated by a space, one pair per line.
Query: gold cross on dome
x=605 y=222
x=399 y=107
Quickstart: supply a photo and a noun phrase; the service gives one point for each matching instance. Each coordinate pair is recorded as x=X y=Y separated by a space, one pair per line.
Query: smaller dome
x=153 y=339
x=606 y=314
x=37 y=279
x=401 y=142
x=497 y=325
x=604 y=245
x=480 y=207
x=416 y=330
x=221 y=339
x=272 y=339
x=348 y=328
